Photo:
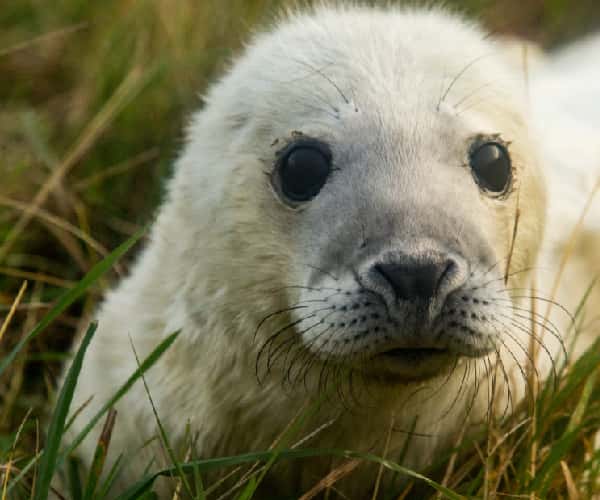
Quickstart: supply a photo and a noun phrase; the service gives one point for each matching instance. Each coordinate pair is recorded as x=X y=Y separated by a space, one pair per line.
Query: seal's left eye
x=303 y=171
x=491 y=167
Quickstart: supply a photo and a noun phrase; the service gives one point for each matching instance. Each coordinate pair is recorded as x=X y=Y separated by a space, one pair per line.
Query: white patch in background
x=565 y=104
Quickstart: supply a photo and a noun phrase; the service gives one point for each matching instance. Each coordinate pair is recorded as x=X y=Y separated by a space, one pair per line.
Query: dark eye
x=303 y=171
x=491 y=167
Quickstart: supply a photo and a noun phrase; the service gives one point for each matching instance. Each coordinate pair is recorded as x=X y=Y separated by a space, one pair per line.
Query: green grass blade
x=24 y=471
x=59 y=418
x=579 y=372
x=561 y=448
x=249 y=490
x=285 y=441
x=110 y=478
x=558 y=452
x=199 y=484
x=144 y=485
x=578 y=414
x=74 y=480
x=149 y=495
x=95 y=471
x=161 y=429
x=144 y=367
x=69 y=297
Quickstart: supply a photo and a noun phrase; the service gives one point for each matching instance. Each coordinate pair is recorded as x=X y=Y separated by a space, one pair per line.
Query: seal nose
x=416 y=280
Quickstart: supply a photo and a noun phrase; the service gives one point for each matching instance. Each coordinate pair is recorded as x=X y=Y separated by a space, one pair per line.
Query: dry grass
x=94 y=97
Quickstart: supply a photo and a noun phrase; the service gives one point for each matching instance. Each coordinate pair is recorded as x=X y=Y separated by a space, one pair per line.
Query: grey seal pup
x=366 y=203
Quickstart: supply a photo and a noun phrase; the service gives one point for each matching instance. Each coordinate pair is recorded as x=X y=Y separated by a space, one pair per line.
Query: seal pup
x=360 y=204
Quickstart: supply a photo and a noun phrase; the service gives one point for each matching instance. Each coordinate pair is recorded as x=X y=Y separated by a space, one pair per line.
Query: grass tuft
x=56 y=428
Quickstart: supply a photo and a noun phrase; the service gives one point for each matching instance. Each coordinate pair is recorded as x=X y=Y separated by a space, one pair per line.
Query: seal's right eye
x=303 y=170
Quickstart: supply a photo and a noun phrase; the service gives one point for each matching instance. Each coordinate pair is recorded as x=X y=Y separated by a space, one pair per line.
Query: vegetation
x=93 y=101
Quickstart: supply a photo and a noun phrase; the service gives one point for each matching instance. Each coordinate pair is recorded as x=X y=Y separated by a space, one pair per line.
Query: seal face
x=402 y=221
x=405 y=303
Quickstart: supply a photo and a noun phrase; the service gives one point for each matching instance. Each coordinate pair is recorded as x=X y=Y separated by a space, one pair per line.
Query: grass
x=94 y=99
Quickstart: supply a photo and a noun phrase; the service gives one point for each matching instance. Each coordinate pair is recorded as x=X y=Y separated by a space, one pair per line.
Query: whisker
x=314 y=358
x=525 y=350
x=520 y=368
x=305 y=351
x=271 y=315
x=530 y=392
x=499 y=334
x=298 y=335
x=534 y=314
x=471 y=404
x=509 y=401
x=528 y=331
x=490 y=396
x=458 y=392
x=303 y=287
x=457 y=77
x=325 y=77
x=272 y=338
x=502 y=278
x=538 y=320
x=322 y=271
x=542 y=299
x=555 y=334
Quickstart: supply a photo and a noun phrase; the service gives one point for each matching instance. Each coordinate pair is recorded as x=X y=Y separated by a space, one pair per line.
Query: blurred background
x=94 y=96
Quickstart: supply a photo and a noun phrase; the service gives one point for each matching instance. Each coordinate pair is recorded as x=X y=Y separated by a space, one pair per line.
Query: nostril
x=416 y=280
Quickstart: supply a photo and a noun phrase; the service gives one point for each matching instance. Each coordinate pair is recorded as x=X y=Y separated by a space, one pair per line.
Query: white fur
x=195 y=275
x=565 y=92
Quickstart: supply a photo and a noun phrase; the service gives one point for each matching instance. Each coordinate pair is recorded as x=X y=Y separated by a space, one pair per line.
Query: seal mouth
x=415 y=351
x=412 y=363
x=414 y=354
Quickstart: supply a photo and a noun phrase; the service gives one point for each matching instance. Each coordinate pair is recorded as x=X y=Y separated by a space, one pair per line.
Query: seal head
x=358 y=196
x=379 y=185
